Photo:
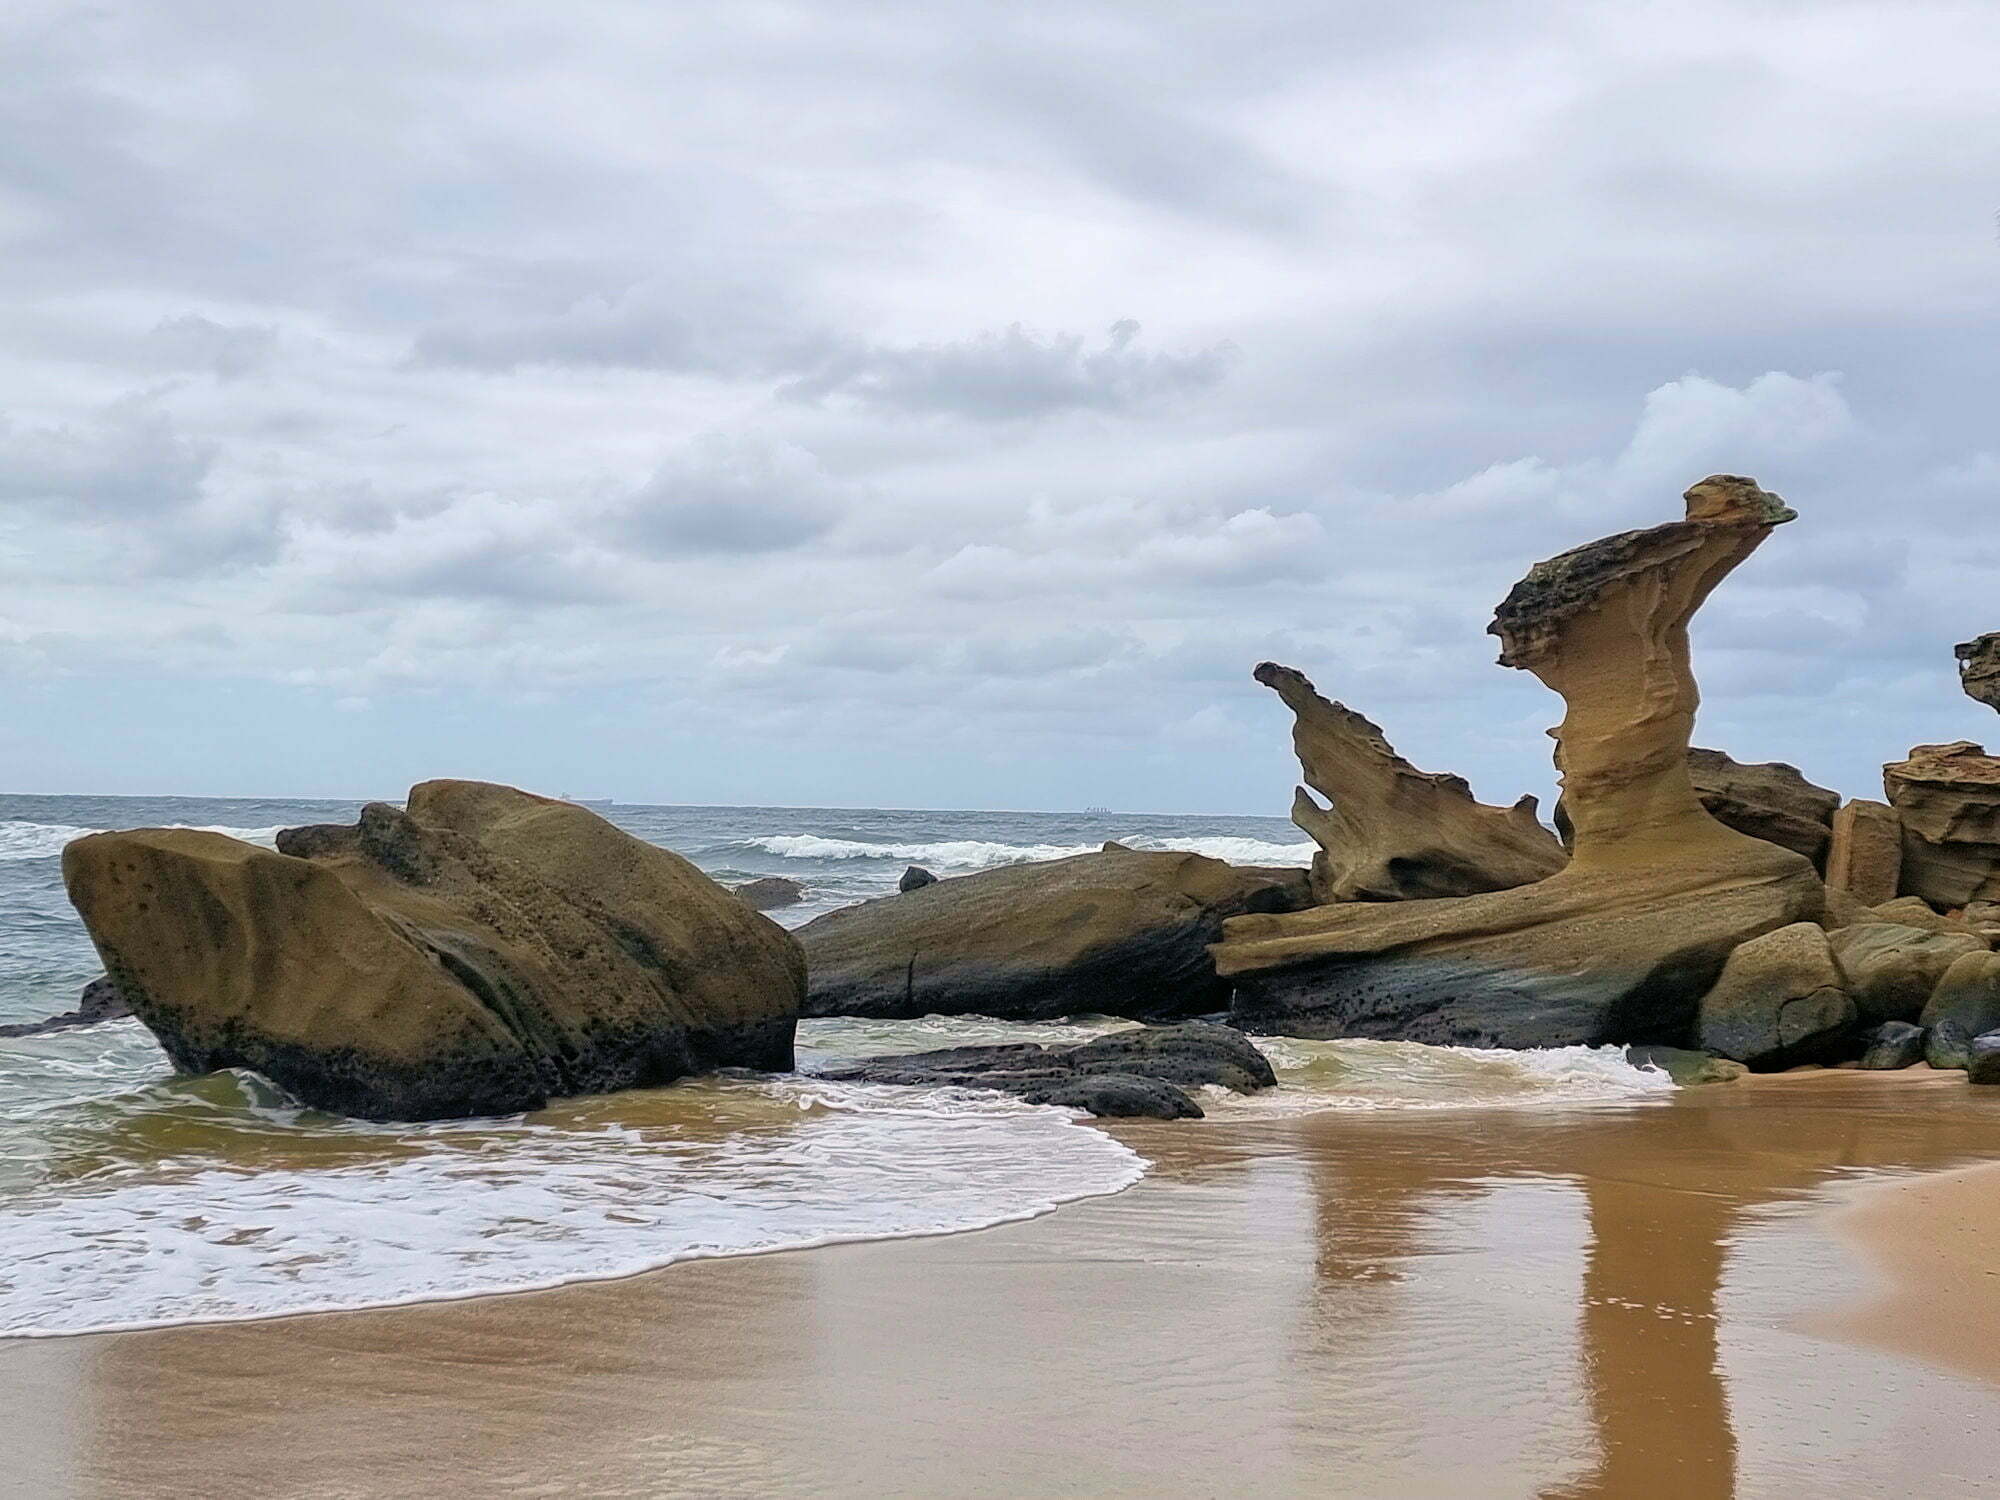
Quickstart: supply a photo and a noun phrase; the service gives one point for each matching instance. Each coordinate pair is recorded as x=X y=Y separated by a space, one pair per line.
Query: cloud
x=731 y=493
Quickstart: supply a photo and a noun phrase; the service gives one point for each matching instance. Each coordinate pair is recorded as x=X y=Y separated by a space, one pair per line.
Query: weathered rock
x=1914 y=911
x=1622 y=943
x=1983 y=917
x=1979 y=669
x=1948 y=797
x=100 y=1001
x=915 y=879
x=1968 y=994
x=1865 y=856
x=1893 y=1045
x=1392 y=832
x=1842 y=910
x=1122 y=932
x=399 y=969
x=1778 y=1001
x=1948 y=1045
x=1770 y=801
x=1139 y=1072
x=1891 y=970
x=1982 y=1059
x=769 y=892
x=1688 y=1068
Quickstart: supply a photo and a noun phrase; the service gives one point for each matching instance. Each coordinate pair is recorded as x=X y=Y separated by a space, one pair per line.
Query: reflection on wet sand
x=1563 y=1303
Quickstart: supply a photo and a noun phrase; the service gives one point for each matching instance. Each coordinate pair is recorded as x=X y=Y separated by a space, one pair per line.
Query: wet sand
x=1616 y=1301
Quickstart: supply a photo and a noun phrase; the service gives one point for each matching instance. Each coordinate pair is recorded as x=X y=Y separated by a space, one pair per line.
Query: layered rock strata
x=1948 y=800
x=1121 y=932
x=1390 y=831
x=1622 y=943
x=479 y=954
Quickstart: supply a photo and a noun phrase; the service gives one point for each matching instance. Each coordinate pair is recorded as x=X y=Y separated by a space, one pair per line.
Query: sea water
x=130 y=1197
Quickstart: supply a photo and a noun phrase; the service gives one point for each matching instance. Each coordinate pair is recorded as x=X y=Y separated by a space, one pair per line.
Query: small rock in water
x=1983 y=1065
x=1685 y=1066
x=1893 y=1044
x=1948 y=1046
x=100 y=1001
x=915 y=879
x=1142 y=1072
x=770 y=892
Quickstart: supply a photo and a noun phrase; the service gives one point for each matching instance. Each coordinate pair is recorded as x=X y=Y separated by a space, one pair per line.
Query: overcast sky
x=947 y=404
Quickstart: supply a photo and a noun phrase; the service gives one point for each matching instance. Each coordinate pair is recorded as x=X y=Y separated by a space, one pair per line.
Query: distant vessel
x=1088 y=811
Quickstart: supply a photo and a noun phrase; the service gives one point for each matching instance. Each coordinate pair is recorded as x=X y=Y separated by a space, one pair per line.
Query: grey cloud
x=226 y=351
x=731 y=494
x=126 y=460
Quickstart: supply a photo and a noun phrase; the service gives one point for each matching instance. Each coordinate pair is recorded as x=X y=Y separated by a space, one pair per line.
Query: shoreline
x=1608 y=1300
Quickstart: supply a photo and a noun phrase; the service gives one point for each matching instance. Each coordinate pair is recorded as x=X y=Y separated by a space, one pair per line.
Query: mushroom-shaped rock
x=1392 y=832
x=1622 y=943
x=1778 y=1001
x=1891 y=970
x=400 y=970
x=1122 y=932
x=1979 y=669
x=1948 y=799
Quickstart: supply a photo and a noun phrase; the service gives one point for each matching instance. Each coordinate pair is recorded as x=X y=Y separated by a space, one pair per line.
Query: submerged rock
x=1892 y=1045
x=1620 y=945
x=1142 y=1072
x=770 y=892
x=1948 y=798
x=1121 y=932
x=1392 y=832
x=479 y=954
x=915 y=879
x=100 y=1001
x=1779 y=1001
x=1687 y=1067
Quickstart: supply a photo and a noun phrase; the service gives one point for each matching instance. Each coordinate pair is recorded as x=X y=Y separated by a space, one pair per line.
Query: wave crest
x=980 y=854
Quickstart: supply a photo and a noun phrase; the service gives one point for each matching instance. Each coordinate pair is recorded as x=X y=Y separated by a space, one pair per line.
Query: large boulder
x=1121 y=932
x=403 y=969
x=1770 y=801
x=1778 y=1001
x=1948 y=798
x=1979 y=669
x=1891 y=970
x=1864 y=860
x=1892 y=1046
x=1967 y=994
x=1390 y=831
x=1146 y=1071
x=1620 y=945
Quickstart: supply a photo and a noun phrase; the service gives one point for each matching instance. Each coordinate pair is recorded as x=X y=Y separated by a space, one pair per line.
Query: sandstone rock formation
x=1392 y=832
x=770 y=892
x=1778 y=1001
x=1948 y=797
x=1120 y=932
x=477 y=955
x=1770 y=801
x=1968 y=995
x=1865 y=857
x=1622 y=943
x=1142 y=1072
x=1979 y=669
x=1891 y=970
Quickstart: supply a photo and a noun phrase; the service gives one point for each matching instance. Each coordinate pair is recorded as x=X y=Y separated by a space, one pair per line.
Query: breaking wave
x=20 y=840
x=978 y=854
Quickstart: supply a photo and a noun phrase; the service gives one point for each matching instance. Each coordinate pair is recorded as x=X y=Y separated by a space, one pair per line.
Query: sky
x=852 y=403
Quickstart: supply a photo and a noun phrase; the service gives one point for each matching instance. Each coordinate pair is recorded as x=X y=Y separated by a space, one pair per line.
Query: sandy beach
x=1654 y=1299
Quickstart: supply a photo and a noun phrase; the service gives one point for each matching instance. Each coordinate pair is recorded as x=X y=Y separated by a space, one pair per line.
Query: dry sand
x=1619 y=1301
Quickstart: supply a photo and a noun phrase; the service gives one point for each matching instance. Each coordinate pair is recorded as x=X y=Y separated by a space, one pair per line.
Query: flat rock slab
x=1144 y=1072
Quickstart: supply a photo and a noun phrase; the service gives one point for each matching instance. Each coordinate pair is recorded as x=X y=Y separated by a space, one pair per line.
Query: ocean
x=130 y=1197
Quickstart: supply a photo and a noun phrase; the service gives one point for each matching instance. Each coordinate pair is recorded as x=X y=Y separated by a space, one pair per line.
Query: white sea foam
x=979 y=854
x=19 y=840
x=490 y=1207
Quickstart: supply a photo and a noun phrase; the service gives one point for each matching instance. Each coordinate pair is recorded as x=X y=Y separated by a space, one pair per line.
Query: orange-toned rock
x=1392 y=832
x=1948 y=797
x=1622 y=943
x=1865 y=858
